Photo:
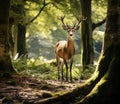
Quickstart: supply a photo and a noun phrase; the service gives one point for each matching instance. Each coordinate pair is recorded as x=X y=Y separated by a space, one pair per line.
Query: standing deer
x=65 y=49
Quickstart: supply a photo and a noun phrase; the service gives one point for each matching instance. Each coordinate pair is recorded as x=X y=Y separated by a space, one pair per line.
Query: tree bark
x=21 y=40
x=107 y=90
x=86 y=33
x=19 y=34
x=11 y=22
x=5 y=60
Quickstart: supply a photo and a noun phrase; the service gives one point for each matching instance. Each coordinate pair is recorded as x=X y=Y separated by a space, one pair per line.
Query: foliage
x=98 y=40
x=35 y=68
x=99 y=10
x=39 y=45
x=48 y=19
x=17 y=11
x=87 y=73
x=47 y=26
x=98 y=36
x=43 y=69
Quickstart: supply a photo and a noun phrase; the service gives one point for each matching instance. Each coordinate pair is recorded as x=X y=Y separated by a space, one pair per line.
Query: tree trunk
x=21 y=40
x=5 y=60
x=11 y=22
x=86 y=32
x=15 y=34
x=107 y=90
x=19 y=29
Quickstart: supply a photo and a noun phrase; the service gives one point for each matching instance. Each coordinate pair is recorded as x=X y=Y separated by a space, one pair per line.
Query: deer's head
x=71 y=29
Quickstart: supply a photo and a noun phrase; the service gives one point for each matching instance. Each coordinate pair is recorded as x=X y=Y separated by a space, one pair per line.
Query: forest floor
x=20 y=89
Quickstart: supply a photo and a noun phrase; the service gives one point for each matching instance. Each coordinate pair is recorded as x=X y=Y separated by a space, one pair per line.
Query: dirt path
x=24 y=89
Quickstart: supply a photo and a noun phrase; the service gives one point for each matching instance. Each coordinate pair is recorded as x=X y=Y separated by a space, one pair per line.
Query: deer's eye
x=68 y=30
x=73 y=30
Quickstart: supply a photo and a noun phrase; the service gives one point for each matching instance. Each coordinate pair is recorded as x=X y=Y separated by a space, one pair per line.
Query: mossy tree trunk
x=107 y=90
x=5 y=60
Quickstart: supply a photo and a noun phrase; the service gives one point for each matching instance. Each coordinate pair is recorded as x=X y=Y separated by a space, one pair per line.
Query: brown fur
x=65 y=50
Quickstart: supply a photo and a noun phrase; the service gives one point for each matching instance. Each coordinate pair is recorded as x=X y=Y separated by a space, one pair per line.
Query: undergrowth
x=46 y=70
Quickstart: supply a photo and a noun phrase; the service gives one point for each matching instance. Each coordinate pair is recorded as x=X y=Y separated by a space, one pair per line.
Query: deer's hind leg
x=62 y=70
x=58 y=66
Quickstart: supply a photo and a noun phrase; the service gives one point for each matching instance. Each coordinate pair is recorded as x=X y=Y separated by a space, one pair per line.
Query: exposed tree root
x=82 y=90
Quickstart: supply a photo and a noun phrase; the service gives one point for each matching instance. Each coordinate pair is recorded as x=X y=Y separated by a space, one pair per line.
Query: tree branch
x=98 y=24
x=40 y=10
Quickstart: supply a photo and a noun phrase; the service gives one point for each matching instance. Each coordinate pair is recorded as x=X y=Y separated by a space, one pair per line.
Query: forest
x=59 y=51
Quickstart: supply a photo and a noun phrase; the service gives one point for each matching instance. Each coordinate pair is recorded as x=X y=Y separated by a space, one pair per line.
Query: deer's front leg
x=66 y=70
x=71 y=62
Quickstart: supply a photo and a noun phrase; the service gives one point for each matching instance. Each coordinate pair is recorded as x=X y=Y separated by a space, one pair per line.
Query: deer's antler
x=65 y=26
x=79 y=20
x=62 y=19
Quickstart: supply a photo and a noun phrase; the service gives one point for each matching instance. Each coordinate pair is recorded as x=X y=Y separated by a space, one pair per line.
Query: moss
x=45 y=87
x=59 y=93
x=12 y=82
x=46 y=94
x=6 y=75
x=106 y=90
x=6 y=100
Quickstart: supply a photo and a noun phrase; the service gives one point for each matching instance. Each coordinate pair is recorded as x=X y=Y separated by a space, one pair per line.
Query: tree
x=5 y=60
x=21 y=35
x=17 y=19
x=86 y=31
x=103 y=86
x=18 y=14
x=107 y=88
x=86 y=34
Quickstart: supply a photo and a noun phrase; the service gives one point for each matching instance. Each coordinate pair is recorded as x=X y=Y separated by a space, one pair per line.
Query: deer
x=65 y=49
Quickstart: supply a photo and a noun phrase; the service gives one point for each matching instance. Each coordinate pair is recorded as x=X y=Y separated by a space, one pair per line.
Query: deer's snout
x=71 y=33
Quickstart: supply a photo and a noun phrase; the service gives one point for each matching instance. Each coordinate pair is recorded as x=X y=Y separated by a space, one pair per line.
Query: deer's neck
x=70 y=43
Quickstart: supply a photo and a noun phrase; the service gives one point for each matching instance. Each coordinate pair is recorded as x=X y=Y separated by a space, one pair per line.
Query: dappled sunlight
x=47 y=69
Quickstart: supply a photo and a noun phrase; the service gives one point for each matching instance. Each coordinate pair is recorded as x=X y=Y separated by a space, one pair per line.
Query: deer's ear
x=77 y=27
x=64 y=27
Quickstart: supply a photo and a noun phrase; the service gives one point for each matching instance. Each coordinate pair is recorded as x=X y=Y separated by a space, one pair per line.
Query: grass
x=46 y=70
